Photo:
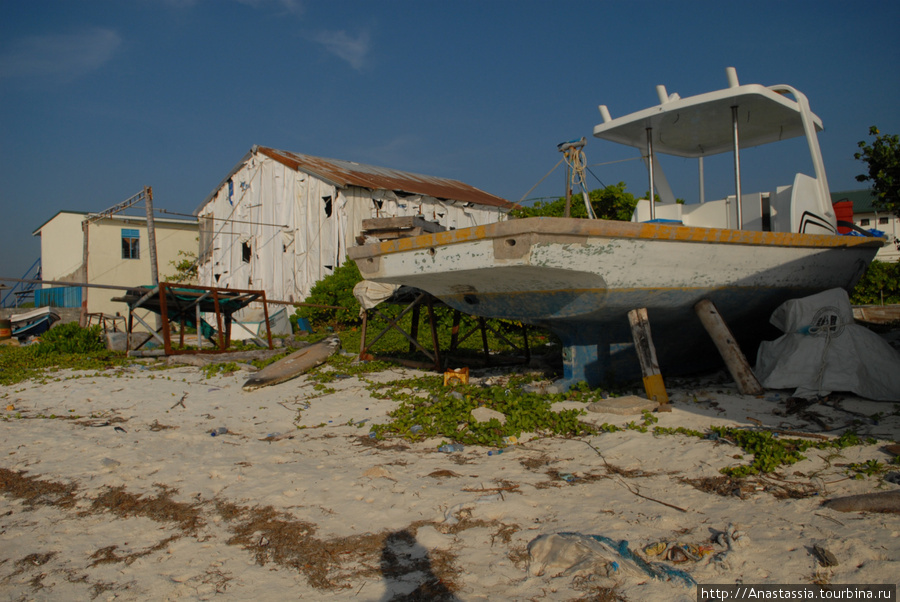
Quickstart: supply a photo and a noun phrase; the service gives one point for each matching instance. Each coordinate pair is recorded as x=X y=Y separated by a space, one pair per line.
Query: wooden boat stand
x=184 y=304
x=438 y=360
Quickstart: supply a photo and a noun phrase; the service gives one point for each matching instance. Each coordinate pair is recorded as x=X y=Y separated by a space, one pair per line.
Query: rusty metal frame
x=437 y=360
x=168 y=300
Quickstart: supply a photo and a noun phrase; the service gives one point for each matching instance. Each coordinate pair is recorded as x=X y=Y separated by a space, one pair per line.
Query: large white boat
x=579 y=278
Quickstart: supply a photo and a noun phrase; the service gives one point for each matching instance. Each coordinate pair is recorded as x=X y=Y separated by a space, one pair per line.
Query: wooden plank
x=410 y=221
x=728 y=348
x=643 y=344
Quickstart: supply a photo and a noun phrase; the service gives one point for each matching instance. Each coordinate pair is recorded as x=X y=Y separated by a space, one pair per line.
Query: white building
x=118 y=254
x=866 y=217
x=281 y=221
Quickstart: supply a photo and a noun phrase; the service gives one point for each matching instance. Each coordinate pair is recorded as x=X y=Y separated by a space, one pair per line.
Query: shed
x=282 y=221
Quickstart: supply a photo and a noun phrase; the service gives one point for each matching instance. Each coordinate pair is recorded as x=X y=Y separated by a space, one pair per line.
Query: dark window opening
x=378 y=204
x=131 y=244
x=327 y=201
x=245 y=252
x=882 y=220
x=864 y=222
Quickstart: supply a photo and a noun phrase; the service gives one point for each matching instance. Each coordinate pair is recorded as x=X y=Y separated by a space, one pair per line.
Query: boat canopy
x=702 y=125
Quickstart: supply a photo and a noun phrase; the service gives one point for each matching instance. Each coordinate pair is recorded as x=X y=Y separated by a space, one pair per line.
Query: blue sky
x=99 y=98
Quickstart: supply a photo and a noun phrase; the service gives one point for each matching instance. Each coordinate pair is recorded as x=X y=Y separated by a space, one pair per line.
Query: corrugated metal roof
x=348 y=173
x=862 y=200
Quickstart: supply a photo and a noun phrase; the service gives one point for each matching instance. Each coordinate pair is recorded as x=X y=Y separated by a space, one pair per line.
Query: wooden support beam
x=646 y=352
x=728 y=348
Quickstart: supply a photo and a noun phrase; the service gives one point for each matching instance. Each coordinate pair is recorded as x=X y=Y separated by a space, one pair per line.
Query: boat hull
x=580 y=278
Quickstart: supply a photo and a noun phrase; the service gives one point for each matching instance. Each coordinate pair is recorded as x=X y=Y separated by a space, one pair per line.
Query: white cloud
x=344 y=46
x=58 y=57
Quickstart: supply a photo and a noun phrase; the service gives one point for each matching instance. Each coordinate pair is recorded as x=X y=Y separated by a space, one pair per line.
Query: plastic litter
x=495 y=452
x=218 y=431
x=415 y=429
x=893 y=477
x=459 y=376
x=450 y=448
x=568 y=553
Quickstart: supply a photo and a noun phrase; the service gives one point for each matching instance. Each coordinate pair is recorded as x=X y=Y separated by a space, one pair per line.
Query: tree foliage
x=880 y=284
x=612 y=202
x=882 y=157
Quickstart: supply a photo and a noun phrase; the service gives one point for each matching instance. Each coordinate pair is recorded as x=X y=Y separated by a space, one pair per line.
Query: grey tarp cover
x=823 y=350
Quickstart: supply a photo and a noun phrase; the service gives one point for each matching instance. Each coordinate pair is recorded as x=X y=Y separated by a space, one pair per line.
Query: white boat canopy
x=765 y=114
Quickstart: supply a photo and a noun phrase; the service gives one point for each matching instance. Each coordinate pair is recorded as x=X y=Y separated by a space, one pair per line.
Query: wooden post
x=734 y=359
x=362 y=338
x=643 y=344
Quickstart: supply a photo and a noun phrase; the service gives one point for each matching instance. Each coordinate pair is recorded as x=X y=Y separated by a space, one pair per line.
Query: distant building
x=118 y=254
x=282 y=221
x=866 y=217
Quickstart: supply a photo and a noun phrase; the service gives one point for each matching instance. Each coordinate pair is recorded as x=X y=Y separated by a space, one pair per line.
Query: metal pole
x=650 y=170
x=151 y=235
x=84 y=271
x=702 y=185
x=568 y=188
x=737 y=167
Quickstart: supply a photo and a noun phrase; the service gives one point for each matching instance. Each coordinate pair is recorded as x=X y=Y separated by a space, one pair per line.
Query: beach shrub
x=335 y=290
x=71 y=338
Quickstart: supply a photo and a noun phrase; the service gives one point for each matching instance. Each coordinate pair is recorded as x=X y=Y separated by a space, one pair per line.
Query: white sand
x=378 y=516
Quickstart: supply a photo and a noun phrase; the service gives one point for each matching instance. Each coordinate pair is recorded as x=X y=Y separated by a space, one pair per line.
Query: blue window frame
x=131 y=243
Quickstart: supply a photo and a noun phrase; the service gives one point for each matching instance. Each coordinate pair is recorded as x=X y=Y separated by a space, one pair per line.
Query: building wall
x=62 y=253
x=887 y=223
x=282 y=230
x=106 y=264
x=62 y=247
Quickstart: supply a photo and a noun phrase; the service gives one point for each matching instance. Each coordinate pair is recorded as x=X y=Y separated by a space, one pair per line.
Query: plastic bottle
x=219 y=431
x=450 y=448
x=495 y=452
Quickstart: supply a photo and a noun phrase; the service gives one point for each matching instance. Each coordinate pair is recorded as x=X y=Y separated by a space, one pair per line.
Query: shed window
x=245 y=252
x=131 y=243
x=327 y=201
x=864 y=222
x=882 y=221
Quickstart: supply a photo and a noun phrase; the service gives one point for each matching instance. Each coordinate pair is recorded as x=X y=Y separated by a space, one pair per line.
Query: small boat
x=579 y=278
x=295 y=364
x=33 y=323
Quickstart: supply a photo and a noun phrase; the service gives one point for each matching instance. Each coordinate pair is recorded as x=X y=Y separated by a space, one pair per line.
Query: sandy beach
x=114 y=488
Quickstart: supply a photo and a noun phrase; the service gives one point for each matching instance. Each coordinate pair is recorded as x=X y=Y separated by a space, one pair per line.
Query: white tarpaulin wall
x=823 y=350
x=282 y=230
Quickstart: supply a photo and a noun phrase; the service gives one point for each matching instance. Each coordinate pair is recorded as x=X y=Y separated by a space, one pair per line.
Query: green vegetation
x=882 y=159
x=71 y=338
x=185 y=268
x=880 y=284
x=65 y=347
x=612 y=202
x=334 y=290
x=429 y=409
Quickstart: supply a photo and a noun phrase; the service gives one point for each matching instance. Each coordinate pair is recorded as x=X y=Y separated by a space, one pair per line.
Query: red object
x=843 y=210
